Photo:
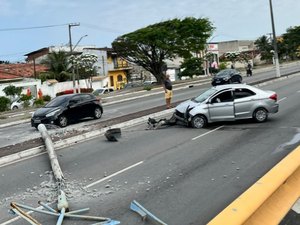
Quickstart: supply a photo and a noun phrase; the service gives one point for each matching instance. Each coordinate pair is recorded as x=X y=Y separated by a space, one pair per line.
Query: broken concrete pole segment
x=113 y=134
x=51 y=153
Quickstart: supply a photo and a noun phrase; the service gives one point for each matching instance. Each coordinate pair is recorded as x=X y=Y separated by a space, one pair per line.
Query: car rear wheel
x=260 y=115
x=97 y=113
x=15 y=107
x=199 y=121
x=62 y=121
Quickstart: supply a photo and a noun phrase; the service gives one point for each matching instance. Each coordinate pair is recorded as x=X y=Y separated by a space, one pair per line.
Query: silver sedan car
x=227 y=103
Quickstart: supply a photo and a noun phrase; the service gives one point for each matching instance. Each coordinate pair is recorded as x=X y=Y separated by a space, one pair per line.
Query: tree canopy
x=150 y=46
x=58 y=65
x=291 y=41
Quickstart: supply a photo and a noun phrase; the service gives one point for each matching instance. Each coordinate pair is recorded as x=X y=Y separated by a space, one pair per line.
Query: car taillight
x=273 y=97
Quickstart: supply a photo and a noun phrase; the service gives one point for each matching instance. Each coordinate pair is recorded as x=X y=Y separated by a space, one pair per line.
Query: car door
x=221 y=107
x=75 y=108
x=244 y=99
x=87 y=105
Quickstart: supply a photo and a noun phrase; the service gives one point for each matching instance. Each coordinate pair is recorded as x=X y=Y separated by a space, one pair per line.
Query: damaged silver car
x=227 y=103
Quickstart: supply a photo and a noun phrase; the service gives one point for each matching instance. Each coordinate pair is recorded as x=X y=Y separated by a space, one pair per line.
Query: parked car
x=227 y=103
x=102 y=91
x=19 y=104
x=227 y=76
x=66 y=108
x=132 y=85
x=149 y=82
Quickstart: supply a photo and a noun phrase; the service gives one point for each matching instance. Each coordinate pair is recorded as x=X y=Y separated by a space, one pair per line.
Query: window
x=242 y=93
x=75 y=100
x=120 y=78
x=86 y=97
x=225 y=96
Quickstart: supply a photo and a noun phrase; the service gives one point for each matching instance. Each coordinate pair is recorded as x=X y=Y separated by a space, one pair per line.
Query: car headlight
x=32 y=115
x=52 y=113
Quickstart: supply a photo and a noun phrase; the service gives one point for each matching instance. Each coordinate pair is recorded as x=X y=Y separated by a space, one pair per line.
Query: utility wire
x=30 y=28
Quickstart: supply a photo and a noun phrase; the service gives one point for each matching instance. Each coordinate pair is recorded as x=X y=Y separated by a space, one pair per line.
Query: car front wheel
x=97 y=113
x=199 y=121
x=62 y=121
x=15 y=107
x=260 y=115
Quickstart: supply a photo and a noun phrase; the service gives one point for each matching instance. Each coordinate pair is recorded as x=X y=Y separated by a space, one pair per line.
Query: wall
x=52 y=89
x=34 y=85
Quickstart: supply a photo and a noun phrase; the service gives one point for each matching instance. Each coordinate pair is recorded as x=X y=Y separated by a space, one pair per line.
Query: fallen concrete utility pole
x=62 y=203
x=58 y=174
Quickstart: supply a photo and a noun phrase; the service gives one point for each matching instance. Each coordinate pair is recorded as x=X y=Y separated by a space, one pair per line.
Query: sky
x=29 y=25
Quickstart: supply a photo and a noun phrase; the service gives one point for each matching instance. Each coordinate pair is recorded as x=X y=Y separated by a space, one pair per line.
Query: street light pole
x=79 y=41
x=71 y=51
x=274 y=42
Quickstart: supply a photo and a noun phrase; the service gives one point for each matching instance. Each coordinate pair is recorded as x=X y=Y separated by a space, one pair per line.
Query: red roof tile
x=21 y=70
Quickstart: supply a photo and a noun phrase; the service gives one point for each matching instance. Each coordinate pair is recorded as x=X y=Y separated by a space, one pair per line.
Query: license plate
x=217 y=81
x=37 y=121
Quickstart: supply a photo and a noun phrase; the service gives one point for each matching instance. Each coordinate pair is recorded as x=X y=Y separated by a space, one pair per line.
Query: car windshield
x=98 y=91
x=204 y=95
x=58 y=101
x=224 y=73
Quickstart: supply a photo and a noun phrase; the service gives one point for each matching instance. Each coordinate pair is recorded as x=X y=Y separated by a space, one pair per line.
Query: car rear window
x=242 y=93
x=86 y=97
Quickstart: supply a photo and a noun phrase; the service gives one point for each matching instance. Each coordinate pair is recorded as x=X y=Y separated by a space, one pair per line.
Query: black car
x=66 y=108
x=227 y=76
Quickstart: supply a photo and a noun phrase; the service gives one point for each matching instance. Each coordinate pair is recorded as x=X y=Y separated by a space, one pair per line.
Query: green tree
x=12 y=91
x=265 y=48
x=291 y=41
x=191 y=67
x=150 y=46
x=4 y=102
x=84 y=66
x=58 y=65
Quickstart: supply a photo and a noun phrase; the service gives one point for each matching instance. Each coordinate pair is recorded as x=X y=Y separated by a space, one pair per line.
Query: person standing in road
x=167 y=85
x=249 y=69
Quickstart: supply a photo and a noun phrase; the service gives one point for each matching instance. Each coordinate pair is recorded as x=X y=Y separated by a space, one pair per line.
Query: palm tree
x=265 y=47
x=58 y=65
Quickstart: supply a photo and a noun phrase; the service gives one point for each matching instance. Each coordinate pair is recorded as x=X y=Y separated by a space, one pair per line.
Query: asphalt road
x=121 y=105
x=182 y=175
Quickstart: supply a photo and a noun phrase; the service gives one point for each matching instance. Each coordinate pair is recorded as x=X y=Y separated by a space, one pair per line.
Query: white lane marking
x=88 y=186
x=114 y=174
x=207 y=133
x=281 y=99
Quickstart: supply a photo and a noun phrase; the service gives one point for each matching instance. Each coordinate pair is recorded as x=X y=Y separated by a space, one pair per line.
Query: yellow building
x=117 y=70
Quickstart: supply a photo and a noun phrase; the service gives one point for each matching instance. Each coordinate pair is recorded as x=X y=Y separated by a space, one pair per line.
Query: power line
x=30 y=28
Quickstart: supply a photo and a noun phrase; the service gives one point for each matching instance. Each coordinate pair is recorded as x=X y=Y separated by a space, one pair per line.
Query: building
x=110 y=68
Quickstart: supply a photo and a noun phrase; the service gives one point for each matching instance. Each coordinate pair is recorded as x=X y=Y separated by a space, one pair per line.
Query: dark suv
x=66 y=108
x=227 y=76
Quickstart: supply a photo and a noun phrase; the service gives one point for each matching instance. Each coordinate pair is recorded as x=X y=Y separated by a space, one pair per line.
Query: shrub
x=223 y=66
x=26 y=99
x=39 y=102
x=86 y=90
x=4 y=103
x=148 y=88
x=46 y=98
